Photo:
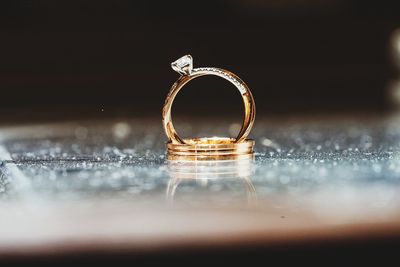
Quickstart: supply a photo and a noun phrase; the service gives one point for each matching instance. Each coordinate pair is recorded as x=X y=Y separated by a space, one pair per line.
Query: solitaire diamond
x=183 y=65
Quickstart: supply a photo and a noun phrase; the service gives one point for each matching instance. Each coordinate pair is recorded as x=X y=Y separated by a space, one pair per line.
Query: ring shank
x=248 y=100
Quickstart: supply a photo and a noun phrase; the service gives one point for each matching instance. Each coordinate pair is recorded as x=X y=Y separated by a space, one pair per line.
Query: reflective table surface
x=106 y=185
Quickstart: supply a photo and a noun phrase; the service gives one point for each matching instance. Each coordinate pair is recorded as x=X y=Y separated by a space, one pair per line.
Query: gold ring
x=184 y=66
x=214 y=148
x=208 y=148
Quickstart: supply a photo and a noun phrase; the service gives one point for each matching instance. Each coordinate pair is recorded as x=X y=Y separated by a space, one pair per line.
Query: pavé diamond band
x=208 y=147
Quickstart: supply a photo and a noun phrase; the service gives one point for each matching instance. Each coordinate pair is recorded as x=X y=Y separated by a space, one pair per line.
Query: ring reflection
x=216 y=180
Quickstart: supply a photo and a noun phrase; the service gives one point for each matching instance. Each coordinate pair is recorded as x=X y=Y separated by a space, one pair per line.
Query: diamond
x=183 y=65
x=184 y=61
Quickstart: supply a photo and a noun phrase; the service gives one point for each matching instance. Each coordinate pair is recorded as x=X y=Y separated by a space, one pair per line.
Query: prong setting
x=183 y=65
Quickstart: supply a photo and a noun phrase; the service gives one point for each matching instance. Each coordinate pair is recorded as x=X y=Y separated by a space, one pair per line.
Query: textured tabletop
x=107 y=184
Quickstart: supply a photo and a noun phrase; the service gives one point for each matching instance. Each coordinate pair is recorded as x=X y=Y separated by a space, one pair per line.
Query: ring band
x=214 y=148
x=184 y=66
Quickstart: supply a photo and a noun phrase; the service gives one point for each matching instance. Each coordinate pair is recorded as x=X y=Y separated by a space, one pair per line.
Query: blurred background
x=95 y=59
x=99 y=60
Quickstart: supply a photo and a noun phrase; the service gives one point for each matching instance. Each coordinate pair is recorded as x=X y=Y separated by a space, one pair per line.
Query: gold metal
x=209 y=148
x=214 y=148
x=184 y=66
x=211 y=144
x=209 y=157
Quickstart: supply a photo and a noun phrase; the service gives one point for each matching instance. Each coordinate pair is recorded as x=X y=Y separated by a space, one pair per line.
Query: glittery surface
x=328 y=171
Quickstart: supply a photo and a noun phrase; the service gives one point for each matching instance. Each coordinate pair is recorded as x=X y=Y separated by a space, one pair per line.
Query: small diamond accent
x=224 y=74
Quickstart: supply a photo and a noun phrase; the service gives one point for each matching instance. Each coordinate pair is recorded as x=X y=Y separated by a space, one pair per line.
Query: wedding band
x=214 y=148
x=208 y=148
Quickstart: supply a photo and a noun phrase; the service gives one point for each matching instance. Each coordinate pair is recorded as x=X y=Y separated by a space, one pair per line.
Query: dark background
x=84 y=59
